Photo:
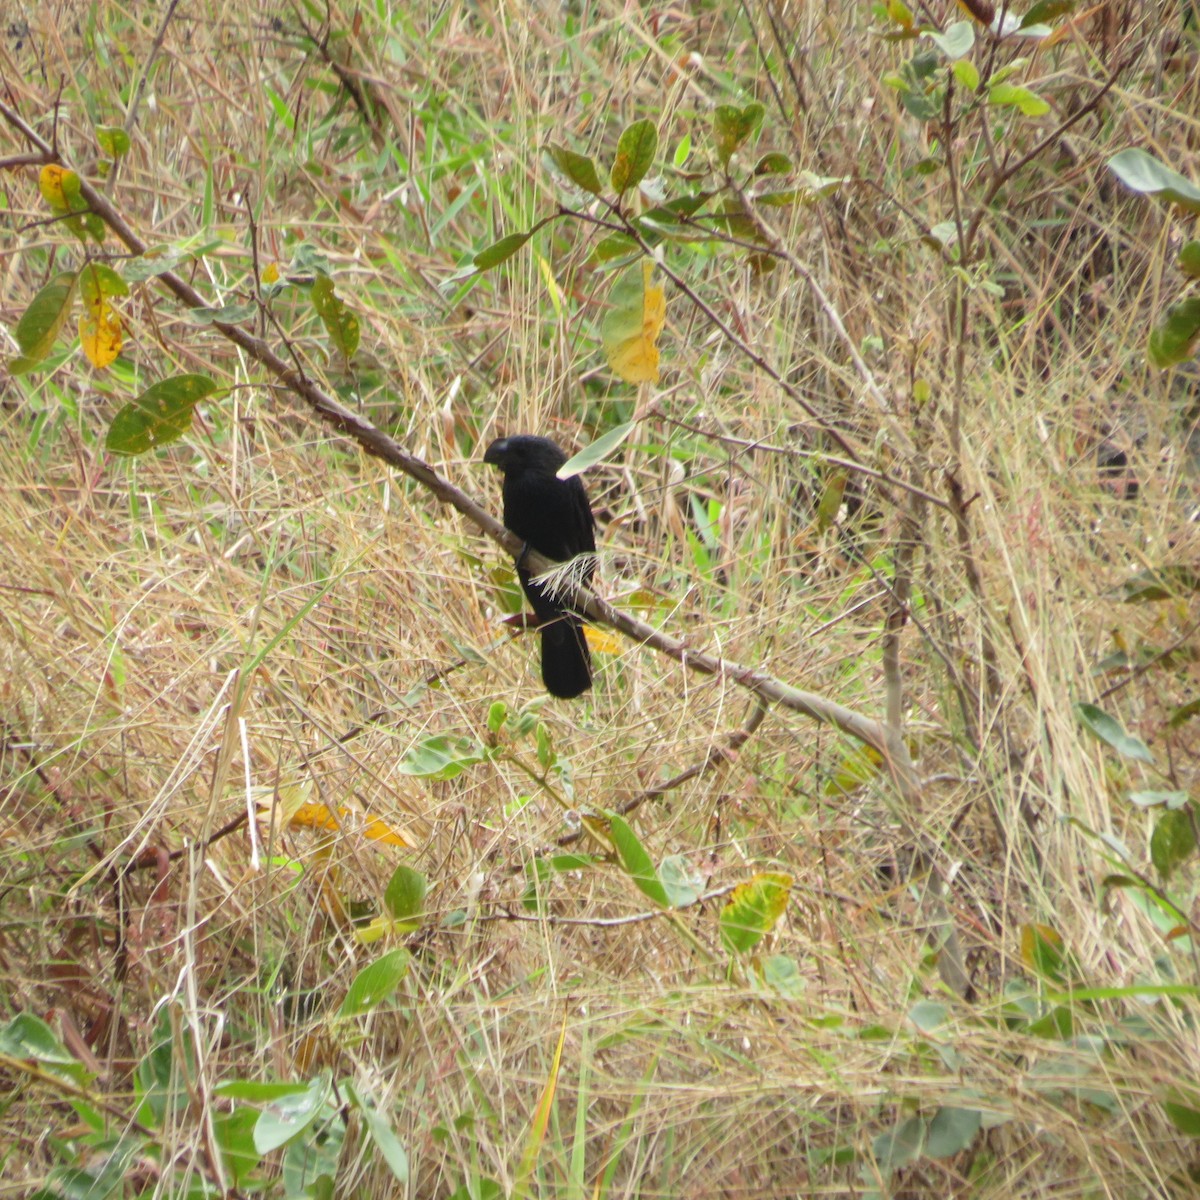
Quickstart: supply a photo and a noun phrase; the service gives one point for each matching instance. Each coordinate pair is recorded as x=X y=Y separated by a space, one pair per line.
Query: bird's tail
x=566 y=662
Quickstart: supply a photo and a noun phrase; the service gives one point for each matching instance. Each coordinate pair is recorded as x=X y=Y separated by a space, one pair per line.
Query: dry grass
x=185 y=632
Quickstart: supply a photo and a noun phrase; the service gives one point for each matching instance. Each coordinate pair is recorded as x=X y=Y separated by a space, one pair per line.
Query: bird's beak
x=494 y=454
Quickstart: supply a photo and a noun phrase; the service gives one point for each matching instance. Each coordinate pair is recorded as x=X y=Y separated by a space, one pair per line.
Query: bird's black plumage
x=554 y=518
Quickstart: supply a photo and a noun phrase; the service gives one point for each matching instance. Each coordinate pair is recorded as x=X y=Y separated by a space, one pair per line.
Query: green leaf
x=572 y=862
x=616 y=245
x=235 y=1139
x=1160 y=583
x=1184 y=713
x=97 y=280
x=921 y=106
x=500 y=251
x=442 y=757
x=670 y=220
x=405 y=895
x=1152 y=799
x=29 y=1037
x=1110 y=731
x=160 y=415
x=340 y=323
x=783 y=975
x=753 y=909
x=731 y=127
x=159 y=259
x=1189 y=259
x=381 y=1132
x=578 y=168
x=497 y=715
x=597 y=452
x=958 y=39
x=1042 y=950
x=161 y=1077
x=538 y=873
x=1140 y=171
x=830 y=503
x=773 y=164
x=114 y=141
x=928 y=1015
x=41 y=321
x=967 y=74
x=545 y=747
x=257 y=1092
x=1183 y=1111
x=1174 y=338
x=290 y=1115
x=902 y=1145
x=681 y=881
x=1011 y=95
x=1046 y=10
x=1173 y=841
x=784 y=198
x=226 y=314
x=375 y=983
x=636 y=149
x=952 y=1130
x=637 y=863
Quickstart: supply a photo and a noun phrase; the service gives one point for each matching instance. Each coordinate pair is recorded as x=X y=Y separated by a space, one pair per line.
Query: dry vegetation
x=190 y=632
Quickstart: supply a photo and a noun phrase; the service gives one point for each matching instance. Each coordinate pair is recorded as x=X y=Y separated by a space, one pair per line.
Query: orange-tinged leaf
x=62 y=190
x=314 y=816
x=298 y=812
x=636 y=149
x=1042 y=950
x=753 y=908
x=378 y=830
x=59 y=187
x=633 y=323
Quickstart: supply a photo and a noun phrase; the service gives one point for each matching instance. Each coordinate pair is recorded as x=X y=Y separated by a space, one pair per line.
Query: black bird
x=554 y=518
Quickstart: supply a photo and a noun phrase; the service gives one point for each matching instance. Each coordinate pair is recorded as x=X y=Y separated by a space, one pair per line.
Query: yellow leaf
x=58 y=186
x=379 y=830
x=271 y=274
x=633 y=323
x=100 y=332
x=600 y=641
x=379 y=928
x=297 y=811
x=314 y=816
